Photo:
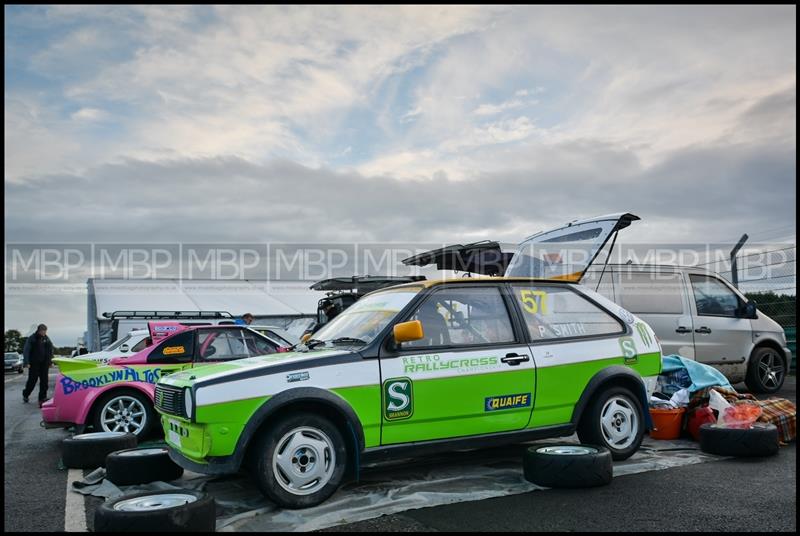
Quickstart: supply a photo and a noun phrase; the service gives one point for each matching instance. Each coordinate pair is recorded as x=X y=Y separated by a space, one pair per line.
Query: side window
x=463 y=317
x=176 y=349
x=221 y=344
x=712 y=297
x=141 y=345
x=651 y=292
x=560 y=313
x=258 y=345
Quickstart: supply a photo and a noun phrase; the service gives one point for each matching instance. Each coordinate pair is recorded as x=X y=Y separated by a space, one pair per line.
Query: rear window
x=651 y=292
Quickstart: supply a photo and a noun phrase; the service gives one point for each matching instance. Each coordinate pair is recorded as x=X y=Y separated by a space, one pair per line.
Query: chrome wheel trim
x=568 y=450
x=142 y=452
x=619 y=422
x=304 y=460
x=98 y=435
x=154 y=502
x=770 y=370
x=123 y=413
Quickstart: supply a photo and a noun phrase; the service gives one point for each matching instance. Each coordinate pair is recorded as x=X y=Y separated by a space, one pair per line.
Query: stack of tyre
x=128 y=465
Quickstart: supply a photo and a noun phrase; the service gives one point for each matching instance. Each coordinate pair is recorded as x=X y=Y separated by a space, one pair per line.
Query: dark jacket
x=38 y=349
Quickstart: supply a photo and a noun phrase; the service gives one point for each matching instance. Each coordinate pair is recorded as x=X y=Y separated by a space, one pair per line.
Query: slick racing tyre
x=88 y=451
x=567 y=465
x=760 y=440
x=157 y=511
x=140 y=466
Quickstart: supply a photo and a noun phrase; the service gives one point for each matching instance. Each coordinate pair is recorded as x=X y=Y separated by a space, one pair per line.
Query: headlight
x=188 y=403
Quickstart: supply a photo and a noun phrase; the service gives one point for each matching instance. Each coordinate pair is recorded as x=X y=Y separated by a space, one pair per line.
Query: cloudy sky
x=129 y=124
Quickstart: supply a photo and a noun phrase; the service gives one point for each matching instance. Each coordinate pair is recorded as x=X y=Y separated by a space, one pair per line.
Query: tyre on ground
x=567 y=465
x=140 y=466
x=760 y=440
x=299 y=460
x=157 y=511
x=89 y=451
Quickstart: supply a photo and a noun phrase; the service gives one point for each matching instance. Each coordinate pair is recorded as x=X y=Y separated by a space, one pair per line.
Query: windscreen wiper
x=311 y=343
x=345 y=340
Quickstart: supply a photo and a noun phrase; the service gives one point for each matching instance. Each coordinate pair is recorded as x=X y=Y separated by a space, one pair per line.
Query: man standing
x=37 y=356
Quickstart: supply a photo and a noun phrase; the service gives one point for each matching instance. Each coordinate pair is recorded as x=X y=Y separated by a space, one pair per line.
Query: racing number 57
x=530 y=302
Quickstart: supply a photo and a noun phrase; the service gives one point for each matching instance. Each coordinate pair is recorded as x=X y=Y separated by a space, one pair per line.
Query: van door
x=661 y=299
x=721 y=337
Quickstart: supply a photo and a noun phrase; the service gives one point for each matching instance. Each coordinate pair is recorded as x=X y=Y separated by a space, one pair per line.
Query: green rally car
x=417 y=368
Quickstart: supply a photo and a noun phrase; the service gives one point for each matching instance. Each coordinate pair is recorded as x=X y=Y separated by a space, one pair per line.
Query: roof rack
x=156 y=315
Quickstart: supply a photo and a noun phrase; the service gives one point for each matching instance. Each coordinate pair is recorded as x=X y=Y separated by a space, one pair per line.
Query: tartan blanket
x=778 y=411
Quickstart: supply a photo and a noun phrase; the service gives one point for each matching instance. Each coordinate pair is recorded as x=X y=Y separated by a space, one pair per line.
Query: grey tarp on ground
x=389 y=489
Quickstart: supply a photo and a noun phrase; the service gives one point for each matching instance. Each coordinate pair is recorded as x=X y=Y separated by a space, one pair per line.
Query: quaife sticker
x=398 y=399
x=169 y=350
x=494 y=403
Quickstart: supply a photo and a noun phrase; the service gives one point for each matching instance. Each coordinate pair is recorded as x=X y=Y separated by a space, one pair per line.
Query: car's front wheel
x=615 y=420
x=299 y=460
x=766 y=371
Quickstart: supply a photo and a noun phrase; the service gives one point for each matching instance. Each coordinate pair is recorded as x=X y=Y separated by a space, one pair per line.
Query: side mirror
x=305 y=337
x=750 y=309
x=408 y=331
x=124 y=348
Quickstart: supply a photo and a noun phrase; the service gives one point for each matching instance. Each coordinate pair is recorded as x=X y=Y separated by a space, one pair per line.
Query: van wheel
x=124 y=411
x=766 y=371
x=615 y=420
x=300 y=460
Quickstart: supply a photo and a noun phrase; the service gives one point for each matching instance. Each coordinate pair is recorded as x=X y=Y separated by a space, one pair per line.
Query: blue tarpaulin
x=700 y=375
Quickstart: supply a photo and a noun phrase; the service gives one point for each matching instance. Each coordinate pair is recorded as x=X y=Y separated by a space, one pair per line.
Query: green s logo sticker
x=628 y=350
x=398 y=397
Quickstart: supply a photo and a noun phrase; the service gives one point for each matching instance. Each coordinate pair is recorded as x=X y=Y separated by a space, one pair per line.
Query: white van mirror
x=124 y=348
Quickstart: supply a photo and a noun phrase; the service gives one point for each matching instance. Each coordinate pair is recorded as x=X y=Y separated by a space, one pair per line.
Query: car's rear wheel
x=766 y=371
x=615 y=420
x=124 y=411
x=300 y=460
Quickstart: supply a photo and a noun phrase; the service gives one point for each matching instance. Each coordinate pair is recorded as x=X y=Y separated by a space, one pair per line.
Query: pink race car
x=118 y=397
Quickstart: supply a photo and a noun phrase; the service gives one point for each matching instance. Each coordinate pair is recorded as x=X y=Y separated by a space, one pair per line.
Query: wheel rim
x=304 y=461
x=770 y=370
x=123 y=414
x=619 y=422
x=141 y=452
x=567 y=450
x=154 y=502
x=98 y=435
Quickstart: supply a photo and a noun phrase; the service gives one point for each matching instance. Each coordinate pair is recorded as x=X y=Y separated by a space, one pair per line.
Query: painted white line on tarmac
x=75 y=509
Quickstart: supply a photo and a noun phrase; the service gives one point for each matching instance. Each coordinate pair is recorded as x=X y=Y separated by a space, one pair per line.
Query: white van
x=134 y=341
x=699 y=315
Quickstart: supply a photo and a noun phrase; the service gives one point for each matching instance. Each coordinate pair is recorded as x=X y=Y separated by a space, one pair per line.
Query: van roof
x=649 y=265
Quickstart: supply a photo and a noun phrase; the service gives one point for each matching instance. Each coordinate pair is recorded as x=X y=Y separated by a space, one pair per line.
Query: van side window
x=712 y=297
x=560 y=313
x=651 y=292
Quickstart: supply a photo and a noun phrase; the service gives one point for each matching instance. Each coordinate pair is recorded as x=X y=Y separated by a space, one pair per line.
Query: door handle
x=514 y=359
x=683 y=330
x=703 y=329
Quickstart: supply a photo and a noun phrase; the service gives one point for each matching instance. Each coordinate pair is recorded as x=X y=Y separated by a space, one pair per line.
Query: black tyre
x=124 y=411
x=566 y=465
x=300 y=460
x=88 y=451
x=760 y=440
x=157 y=511
x=766 y=371
x=140 y=466
x=614 y=420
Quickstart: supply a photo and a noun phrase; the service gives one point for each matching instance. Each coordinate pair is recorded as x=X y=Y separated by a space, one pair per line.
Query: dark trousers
x=37 y=370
